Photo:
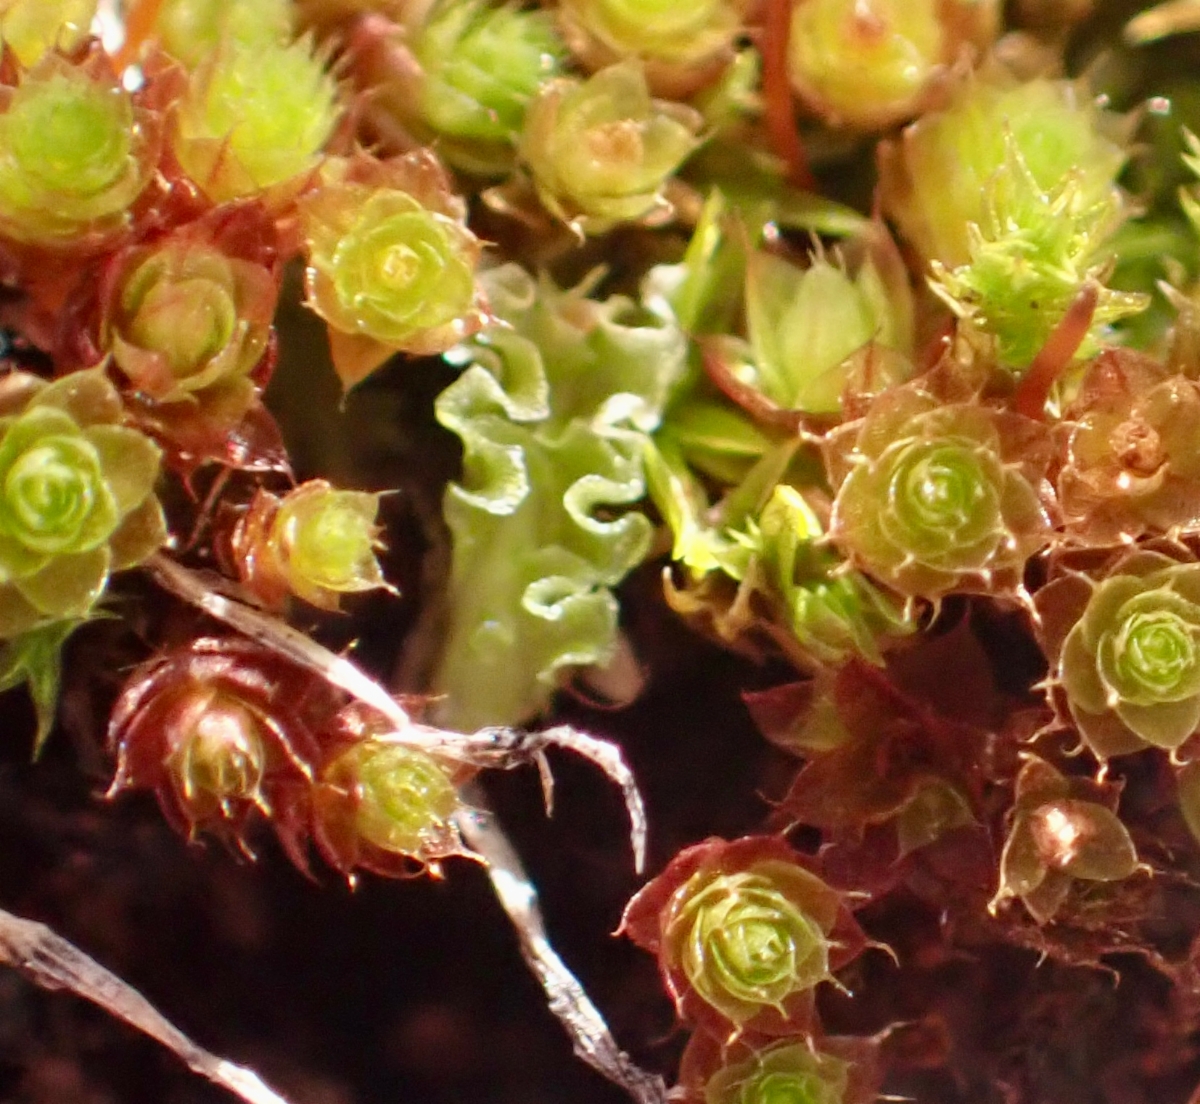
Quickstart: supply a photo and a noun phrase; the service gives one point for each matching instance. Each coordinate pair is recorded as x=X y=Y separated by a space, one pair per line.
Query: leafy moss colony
x=858 y=340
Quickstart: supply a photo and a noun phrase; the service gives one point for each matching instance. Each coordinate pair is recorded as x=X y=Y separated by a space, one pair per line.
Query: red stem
x=1058 y=352
x=777 y=93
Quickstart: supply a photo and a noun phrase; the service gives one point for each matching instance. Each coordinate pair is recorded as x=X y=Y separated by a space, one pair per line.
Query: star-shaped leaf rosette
x=1124 y=648
x=76 y=497
x=391 y=263
x=744 y=932
x=755 y=1070
x=934 y=497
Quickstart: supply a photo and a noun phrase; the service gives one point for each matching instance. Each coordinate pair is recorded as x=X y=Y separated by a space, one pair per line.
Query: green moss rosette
x=76 y=497
x=75 y=155
x=480 y=65
x=782 y=1073
x=1129 y=663
x=938 y=497
x=32 y=28
x=744 y=932
x=553 y=409
x=871 y=65
x=383 y=806
x=391 y=263
x=193 y=30
x=185 y=319
x=601 y=151
x=317 y=542
x=683 y=45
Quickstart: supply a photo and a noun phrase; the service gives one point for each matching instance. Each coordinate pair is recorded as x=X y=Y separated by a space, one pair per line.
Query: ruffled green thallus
x=76 y=497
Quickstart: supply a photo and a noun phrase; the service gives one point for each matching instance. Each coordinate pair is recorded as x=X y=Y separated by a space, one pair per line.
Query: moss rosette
x=187 y=319
x=745 y=941
x=253 y=120
x=939 y=498
x=783 y=1073
x=684 y=45
x=937 y=177
x=1132 y=661
x=480 y=67
x=382 y=806
x=323 y=542
x=75 y=155
x=602 y=150
x=391 y=263
x=744 y=931
x=868 y=71
x=76 y=497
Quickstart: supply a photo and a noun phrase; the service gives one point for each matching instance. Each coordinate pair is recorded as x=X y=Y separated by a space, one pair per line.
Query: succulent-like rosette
x=937 y=178
x=601 y=150
x=32 y=28
x=1063 y=830
x=219 y=730
x=316 y=542
x=683 y=45
x=1126 y=651
x=873 y=63
x=782 y=1073
x=253 y=119
x=1131 y=465
x=391 y=263
x=938 y=497
x=744 y=932
x=380 y=805
x=76 y=497
x=184 y=319
x=830 y=1069
x=75 y=154
x=192 y=30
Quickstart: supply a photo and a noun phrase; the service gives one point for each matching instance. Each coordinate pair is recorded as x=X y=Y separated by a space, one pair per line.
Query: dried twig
x=52 y=962
x=593 y=1042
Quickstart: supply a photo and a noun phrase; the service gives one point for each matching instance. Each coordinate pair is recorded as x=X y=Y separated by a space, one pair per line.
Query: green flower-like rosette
x=1130 y=664
x=783 y=1073
x=939 y=497
x=76 y=497
x=602 y=150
